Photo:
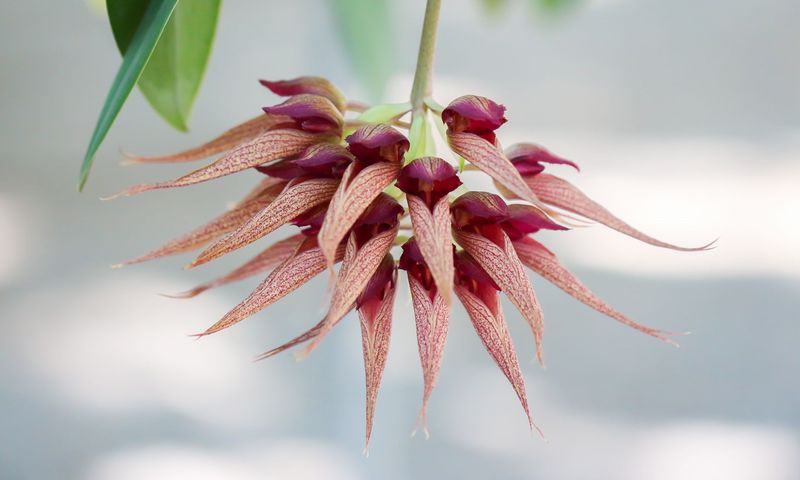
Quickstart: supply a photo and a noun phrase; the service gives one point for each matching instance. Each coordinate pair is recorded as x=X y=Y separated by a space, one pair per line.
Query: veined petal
x=562 y=194
x=357 y=268
x=506 y=270
x=538 y=258
x=259 y=198
x=493 y=332
x=229 y=139
x=432 y=231
x=272 y=256
x=312 y=85
x=432 y=317
x=491 y=160
x=375 y=317
x=355 y=193
x=286 y=278
x=295 y=199
x=267 y=147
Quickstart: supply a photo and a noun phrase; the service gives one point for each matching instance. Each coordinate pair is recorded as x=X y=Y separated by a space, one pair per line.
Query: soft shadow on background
x=684 y=117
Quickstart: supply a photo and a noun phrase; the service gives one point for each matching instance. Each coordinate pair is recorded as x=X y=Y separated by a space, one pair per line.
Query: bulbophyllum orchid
x=364 y=194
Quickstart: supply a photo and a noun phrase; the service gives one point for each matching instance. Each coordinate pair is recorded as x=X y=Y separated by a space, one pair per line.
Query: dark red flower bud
x=312 y=85
x=528 y=158
x=382 y=214
x=324 y=160
x=378 y=143
x=429 y=178
x=379 y=284
x=413 y=263
x=525 y=219
x=474 y=114
x=311 y=113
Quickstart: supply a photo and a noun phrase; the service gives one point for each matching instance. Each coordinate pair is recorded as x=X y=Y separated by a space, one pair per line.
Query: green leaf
x=173 y=74
x=366 y=29
x=383 y=113
x=140 y=44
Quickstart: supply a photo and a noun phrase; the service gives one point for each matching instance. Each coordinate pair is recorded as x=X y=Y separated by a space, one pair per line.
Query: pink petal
x=493 y=332
x=286 y=278
x=267 y=147
x=562 y=194
x=493 y=161
x=294 y=200
x=272 y=256
x=506 y=270
x=432 y=231
x=432 y=317
x=376 y=325
x=356 y=191
x=357 y=268
x=259 y=198
x=538 y=258
x=231 y=138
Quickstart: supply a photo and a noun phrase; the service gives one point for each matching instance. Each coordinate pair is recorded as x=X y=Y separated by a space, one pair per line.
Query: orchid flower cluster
x=356 y=188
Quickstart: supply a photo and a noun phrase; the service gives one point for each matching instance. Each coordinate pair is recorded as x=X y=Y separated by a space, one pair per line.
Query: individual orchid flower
x=427 y=181
x=356 y=188
x=556 y=192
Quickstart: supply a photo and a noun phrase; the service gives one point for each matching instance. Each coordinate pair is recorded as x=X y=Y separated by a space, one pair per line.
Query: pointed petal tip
x=185 y=295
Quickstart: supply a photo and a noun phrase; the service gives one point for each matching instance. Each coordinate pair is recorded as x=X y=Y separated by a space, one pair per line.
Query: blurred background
x=685 y=117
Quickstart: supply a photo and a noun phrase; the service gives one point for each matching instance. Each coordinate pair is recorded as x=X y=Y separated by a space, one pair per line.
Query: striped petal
x=286 y=278
x=491 y=160
x=357 y=268
x=355 y=193
x=231 y=138
x=538 y=258
x=272 y=256
x=294 y=200
x=267 y=147
x=376 y=327
x=258 y=199
x=432 y=231
x=432 y=316
x=562 y=194
x=506 y=270
x=493 y=332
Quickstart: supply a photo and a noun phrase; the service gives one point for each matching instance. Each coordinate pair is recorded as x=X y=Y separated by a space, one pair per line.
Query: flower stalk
x=423 y=76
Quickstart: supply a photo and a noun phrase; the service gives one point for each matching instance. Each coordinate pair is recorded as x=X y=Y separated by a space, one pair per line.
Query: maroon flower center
x=429 y=178
x=413 y=263
x=471 y=276
x=474 y=114
x=378 y=286
x=377 y=143
x=311 y=113
x=382 y=214
x=322 y=161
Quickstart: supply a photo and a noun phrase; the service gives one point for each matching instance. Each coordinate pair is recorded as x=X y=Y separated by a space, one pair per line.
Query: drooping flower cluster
x=348 y=185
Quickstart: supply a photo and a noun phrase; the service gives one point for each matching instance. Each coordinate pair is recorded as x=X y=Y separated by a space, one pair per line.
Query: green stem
x=423 y=76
